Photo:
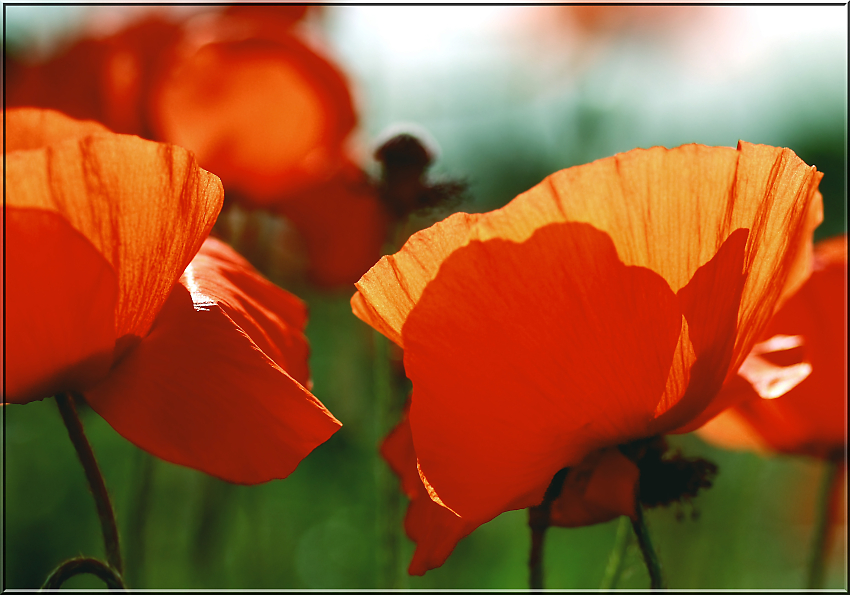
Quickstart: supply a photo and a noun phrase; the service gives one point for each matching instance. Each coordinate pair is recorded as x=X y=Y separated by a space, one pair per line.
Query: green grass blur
x=502 y=123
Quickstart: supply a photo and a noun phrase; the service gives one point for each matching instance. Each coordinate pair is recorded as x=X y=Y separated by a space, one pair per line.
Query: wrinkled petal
x=434 y=528
x=390 y=289
x=268 y=117
x=343 y=226
x=571 y=353
x=198 y=391
x=145 y=207
x=60 y=307
x=274 y=319
x=810 y=417
x=31 y=128
x=600 y=488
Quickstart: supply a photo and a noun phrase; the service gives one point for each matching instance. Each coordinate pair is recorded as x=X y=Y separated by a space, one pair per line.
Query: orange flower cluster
x=113 y=290
x=607 y=305
x=255 y=103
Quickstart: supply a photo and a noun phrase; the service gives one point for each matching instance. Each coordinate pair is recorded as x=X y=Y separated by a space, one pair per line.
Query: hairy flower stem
x=829 y=489
x=650 y=557
x=69 y=415
x=76 y=566
x=618 y=554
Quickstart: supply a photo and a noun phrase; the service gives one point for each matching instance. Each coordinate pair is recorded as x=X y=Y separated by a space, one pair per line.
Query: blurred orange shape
x=269 y=116
x=343 y=226
x=607 y=304
x=807 y=416
x=107 y=79
x=191 y=355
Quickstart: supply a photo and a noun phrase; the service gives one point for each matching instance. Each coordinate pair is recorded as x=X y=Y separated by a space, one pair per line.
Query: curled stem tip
x=68 y=411
x=75 y=566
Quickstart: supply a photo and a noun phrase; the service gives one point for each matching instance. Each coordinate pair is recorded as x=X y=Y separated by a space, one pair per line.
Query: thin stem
x=95 y=479
x=650 y=557
x=618 y=554
x=76 y=566
x=139 y=508
x=820 y=541
x=538 y=521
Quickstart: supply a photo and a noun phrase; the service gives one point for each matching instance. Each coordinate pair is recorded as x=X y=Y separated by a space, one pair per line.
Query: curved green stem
x=98 y=488
x=618 y=554
x=76 y=566
x=820 y=540
x=650 y=557
x=538 y=521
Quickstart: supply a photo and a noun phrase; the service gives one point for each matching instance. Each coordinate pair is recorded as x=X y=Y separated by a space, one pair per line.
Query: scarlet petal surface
x=60 y=307
x=811 y=417
x=145 y=207
x=198 y=391
x=571 y=352
x=269 y=117
x=273 y=318
x=600 y=488
x=434 y=528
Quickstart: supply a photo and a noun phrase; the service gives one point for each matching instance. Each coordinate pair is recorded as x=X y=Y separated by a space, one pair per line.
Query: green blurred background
x=510 y=94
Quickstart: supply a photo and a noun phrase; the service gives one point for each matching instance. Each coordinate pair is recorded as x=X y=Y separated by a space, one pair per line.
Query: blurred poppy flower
x=112 y=292
x=792 y=388
x=606 y=305
x=107 y=79
x=267 y=114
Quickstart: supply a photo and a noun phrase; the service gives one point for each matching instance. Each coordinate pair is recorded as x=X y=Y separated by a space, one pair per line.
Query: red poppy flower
x=269 y=116
x=107 y=79
x=605 y=305
x=793 y=386
x=189 y=354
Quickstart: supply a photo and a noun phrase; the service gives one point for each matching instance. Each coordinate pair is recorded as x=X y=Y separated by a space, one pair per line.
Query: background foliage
x=511 y=94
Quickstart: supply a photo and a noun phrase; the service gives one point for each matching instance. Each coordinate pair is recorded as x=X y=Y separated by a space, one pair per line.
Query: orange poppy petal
x=600 y=488
x=810 y=417
x=60 y=307
x=146 y=207
x=390 y=289
x=197 y=391
x=433 y=528
x=343 y=226
x=565 y=323
x=269 y=117
x=32 y=128
x=273 y=318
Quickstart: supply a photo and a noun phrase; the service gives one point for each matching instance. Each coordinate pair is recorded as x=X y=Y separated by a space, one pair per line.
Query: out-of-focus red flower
x=269 y=116
x=107 y=79
x=783 y=407
x=595 y=491
x=605 y=305
x=112 y=292
x=343 y=227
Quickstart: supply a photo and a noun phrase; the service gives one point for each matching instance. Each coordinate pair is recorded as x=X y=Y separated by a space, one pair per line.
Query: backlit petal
x=60 y=307
x=199 y=392
x=32 y=128
x=434 y=528
x=810 y=417
x=145 y=207
x=526 y=357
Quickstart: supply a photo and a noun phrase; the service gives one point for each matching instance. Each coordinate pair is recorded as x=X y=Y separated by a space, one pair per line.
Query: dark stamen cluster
x=666 y=476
